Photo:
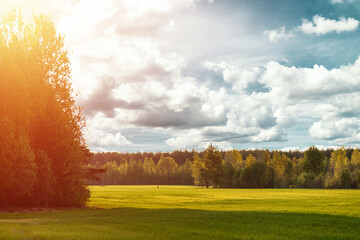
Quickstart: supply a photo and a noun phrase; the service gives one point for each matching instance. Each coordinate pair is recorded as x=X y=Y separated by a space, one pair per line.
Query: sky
x=162 y=75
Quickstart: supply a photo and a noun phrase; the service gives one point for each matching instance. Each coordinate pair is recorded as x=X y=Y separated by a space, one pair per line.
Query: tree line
x=312 y=168
x=43 y=155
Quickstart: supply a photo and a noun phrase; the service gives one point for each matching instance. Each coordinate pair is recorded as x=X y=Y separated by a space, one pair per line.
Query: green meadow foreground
x=181 y=212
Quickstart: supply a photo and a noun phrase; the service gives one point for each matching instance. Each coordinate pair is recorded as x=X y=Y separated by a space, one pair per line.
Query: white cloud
x=344 y=130
x=125 y=78
x=321 y=25
x=240 y=78
x=278 y=34
x=130 y=77
x=103 y=138
x=340 y=1
x=311 y=83
x=294 y=93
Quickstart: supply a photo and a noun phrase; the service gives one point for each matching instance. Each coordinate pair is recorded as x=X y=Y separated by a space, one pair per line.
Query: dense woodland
x=312 y=168
x=43 y=154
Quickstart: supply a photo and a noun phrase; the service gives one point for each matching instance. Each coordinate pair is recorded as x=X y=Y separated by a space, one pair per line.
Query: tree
x=149 y=170
x=123 y=170
x=267 y=158
x=254 y=175
x=184 y=173
x=250 y=160
x=199 y=172
x=290 y=174
x=228 y=169
x=236 y=159
x=132 y=171
x=280 y=161
x=339 y=163
x=213 y=165
x=166 y=168
x=140 y=172
x=17 y=165
x=355 y=168
x=43 y=187
x=313 y=161
x=37 y=99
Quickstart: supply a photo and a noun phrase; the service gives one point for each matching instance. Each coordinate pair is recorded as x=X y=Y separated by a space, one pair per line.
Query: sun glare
x=28 y=7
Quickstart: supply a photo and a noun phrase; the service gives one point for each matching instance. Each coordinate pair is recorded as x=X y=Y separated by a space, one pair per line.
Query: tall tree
x=184 y=173
x=36 y=96
x=166 y=168
x=280 y=161
x=250 y=160
x=198 y=171
x=149 y=170
x=339 y=163
x=313 y=161
x=213 y=165
x=355 y=169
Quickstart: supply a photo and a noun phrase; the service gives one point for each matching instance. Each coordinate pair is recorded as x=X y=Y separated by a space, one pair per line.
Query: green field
x=180 y=212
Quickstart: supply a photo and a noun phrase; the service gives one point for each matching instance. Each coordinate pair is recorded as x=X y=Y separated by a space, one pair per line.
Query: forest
x=312 y=168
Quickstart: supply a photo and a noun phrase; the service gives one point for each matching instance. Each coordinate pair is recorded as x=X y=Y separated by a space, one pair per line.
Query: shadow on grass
x=137 y=223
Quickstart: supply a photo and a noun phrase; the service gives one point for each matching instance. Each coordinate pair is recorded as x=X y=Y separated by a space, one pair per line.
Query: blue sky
x=164 y=75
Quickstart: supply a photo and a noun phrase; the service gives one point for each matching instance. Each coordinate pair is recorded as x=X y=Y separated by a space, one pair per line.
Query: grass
x=181 y=212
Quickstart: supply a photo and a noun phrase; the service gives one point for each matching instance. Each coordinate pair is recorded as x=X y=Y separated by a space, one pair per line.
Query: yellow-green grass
x=184 y=212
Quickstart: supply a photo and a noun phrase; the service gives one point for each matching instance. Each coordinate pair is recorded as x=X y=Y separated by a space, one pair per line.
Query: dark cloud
x=216 y=136
x=152 y=71
x=189 y=117
x=103 y=100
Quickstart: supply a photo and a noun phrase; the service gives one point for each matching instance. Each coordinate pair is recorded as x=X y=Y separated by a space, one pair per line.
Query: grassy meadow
x=186 y=212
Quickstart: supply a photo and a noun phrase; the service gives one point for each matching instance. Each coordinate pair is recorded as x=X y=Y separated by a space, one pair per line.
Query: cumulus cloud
x=103 y=99
x=189 y=117
x=294 y=93
x=240 y=78
x=311 y=83
x=278 y=34
x=344 y=129
x=125 y=79
x=320 y=25
x=102 y=138
x=129 y=77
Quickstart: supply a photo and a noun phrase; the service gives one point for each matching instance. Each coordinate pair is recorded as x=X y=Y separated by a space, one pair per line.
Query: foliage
x=166 y=168
x=254 y=176
x=199 y=172
x=313 y=161
x=185 y=173
x=213 y=166
x=43 y=153
x=18 y=168
x=338 y=163
x=270 y=169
